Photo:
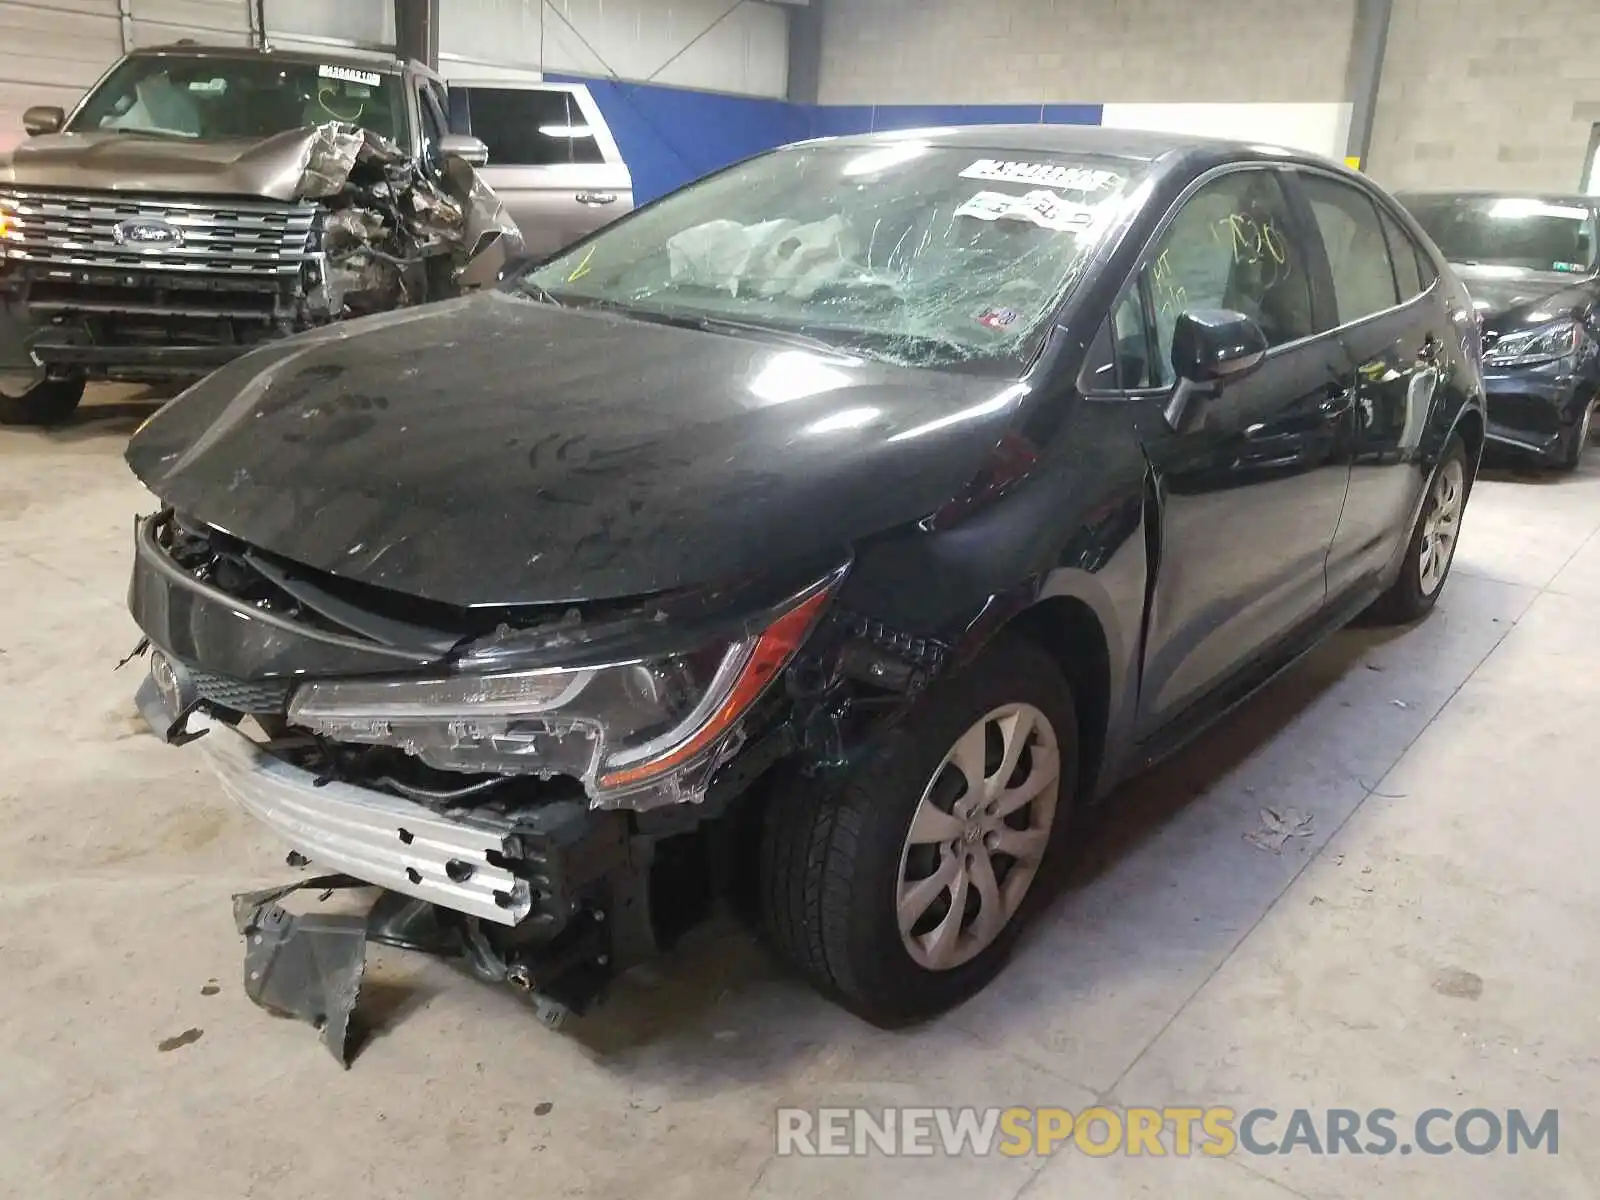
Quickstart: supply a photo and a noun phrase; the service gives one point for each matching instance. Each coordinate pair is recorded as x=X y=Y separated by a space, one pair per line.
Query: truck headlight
x=660 y=724
x=1544 y=344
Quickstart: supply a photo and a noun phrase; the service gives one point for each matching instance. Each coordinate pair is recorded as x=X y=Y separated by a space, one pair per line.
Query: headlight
x=1544 y=344
x=662 y=724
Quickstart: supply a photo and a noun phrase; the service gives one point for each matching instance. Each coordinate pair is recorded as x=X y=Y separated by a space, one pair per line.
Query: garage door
x=50 y=51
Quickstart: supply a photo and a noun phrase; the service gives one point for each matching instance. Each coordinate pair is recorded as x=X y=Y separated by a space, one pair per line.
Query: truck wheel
x=899 y=891
x=48 y=402
x=1433 y=543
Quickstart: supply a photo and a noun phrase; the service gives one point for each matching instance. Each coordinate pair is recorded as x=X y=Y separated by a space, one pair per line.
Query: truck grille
x=117 y=231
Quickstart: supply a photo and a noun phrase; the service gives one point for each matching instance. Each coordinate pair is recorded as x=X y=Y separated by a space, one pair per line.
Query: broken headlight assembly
x=637 y=733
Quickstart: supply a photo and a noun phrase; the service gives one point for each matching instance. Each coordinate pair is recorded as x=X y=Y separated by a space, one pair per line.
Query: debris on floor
x=1278 y=826
x=187 y=1038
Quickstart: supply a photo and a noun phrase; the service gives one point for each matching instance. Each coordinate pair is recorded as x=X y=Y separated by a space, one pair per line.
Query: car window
x=1358 y=255
x=1231 y=247
x=1407 y=258
x=433 y=122
x=1509 y=231
x=1130 y=342
x=528 y=127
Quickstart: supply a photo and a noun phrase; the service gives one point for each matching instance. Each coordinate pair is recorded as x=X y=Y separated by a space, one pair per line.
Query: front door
x=1251 y=497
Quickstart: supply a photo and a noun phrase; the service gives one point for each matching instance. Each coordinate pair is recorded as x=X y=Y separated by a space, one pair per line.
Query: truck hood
x=107 y=160
x=493 y=450
x=1507 y=296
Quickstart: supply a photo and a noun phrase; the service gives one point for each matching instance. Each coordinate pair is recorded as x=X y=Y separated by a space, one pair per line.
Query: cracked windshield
x=914 y=254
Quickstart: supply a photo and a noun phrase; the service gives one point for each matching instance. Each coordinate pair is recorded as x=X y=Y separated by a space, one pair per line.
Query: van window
x=1358 y=255
x=525 y=127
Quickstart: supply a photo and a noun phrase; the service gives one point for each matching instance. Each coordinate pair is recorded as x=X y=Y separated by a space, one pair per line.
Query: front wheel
x=48 y=402
x=1433 y=543
x=900 y=891
x=1578 y=440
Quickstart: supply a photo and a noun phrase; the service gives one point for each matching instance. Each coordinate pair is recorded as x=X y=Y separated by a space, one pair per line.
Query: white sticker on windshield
x=349 y=74
x=1042 y=208
x=1075 y=179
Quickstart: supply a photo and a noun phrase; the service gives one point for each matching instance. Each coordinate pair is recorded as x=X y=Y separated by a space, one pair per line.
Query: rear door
x=1249 y=499
x=1392 y=333
x=552 y=159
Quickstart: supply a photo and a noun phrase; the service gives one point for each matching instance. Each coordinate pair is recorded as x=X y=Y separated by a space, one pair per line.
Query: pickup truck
x=201 y=201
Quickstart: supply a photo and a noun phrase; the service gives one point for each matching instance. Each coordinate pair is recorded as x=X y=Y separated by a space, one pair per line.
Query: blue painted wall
x=669 y=136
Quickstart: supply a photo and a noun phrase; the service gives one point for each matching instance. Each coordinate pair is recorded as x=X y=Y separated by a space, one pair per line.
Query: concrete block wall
x=1090 y=51
x=1485 y=93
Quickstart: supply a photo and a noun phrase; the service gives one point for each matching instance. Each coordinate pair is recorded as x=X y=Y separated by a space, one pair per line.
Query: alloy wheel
x=1441 y=525
x=978 y=836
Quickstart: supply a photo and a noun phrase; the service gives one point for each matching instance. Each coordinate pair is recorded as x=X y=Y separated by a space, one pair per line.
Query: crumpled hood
x=1505 y=296
x=493 y=450
x=129 y=162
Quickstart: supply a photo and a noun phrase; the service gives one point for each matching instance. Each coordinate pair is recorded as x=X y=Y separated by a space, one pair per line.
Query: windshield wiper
x=538 y=292
x=733 y=325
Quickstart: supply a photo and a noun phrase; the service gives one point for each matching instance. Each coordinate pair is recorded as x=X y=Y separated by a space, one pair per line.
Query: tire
x=836 y=864
x=1414 y=593
x=1577 y=441
x=48 y=402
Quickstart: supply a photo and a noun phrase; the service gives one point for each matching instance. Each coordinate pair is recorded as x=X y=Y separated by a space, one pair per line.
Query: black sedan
x=1532 y=264
x=827 y=534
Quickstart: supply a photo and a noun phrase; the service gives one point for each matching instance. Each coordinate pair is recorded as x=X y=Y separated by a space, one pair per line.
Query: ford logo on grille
x=149 y=232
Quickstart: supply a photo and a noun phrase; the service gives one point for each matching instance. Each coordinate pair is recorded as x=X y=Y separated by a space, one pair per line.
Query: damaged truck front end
x=152 y=244
x=518 y=815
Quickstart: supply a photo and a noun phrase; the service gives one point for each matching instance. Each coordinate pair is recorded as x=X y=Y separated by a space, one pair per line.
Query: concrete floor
x=1431 y=943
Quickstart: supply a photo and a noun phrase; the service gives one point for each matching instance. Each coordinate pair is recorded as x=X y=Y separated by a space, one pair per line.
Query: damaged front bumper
x=461 y=863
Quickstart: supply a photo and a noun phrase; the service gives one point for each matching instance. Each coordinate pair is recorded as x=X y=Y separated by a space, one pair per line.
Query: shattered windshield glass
x=905 y=251
x=216 y=97
x=1508 y=231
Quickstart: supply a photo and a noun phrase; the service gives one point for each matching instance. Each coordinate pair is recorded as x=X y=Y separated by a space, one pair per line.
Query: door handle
x=595 y=199
x=1337 y=400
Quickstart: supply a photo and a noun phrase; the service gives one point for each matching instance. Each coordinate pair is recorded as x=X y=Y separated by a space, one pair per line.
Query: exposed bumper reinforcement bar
x=383 y=840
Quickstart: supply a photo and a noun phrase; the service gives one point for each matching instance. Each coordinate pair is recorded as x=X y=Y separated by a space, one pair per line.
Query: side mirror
x=468 y=149
x=43 y=118
x=1210 y=348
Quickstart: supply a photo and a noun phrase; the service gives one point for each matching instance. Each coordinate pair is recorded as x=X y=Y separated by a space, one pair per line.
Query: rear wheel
x=900 y=892
x=48 y=402
x=1433 y=543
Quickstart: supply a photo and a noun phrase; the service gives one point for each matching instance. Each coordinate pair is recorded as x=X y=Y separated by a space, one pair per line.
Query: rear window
x=1509 y=231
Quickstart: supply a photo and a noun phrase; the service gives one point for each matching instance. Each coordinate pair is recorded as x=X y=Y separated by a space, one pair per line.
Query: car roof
x=357 y=60
x=1078 y=139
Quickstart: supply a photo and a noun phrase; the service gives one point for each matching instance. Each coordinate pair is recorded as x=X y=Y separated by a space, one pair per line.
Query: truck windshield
x=214 y=96
x=1508 y=231
x=902 y=250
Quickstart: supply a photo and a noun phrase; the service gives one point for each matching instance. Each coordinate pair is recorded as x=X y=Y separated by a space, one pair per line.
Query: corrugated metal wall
x=219 y=22
x=50 y=52
x=686 y=43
